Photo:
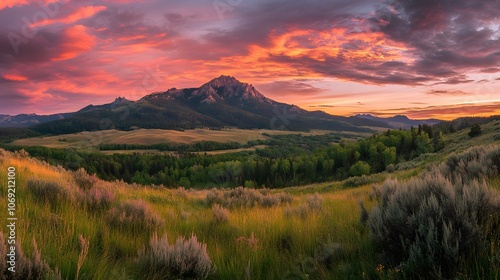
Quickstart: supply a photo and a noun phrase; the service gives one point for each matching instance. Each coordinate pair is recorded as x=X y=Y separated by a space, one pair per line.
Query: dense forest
x=288 y=160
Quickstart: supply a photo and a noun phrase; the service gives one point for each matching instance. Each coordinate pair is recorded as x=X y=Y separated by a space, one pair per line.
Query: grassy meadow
x=307 y=232
x=264 y=242
x=155 y=136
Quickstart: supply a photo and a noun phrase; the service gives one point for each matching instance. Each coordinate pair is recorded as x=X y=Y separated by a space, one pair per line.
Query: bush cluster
x=83 y=180
x=134 y=214
x=99 y=198
x=478 y=163
x=50 y=191
x=430 y=226
x=243 y=197
x=185 y=259
x=357 y=181
x=26 y=268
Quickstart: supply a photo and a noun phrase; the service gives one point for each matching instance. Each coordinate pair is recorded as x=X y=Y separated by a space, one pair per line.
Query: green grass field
x=254 y=243
x=280 y=242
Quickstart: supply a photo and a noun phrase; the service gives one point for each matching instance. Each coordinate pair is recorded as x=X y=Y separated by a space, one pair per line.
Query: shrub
x=50 y=191
x=356 y=181
x=84 y=180
x=26 y=268
x=390 y=168
x=186 y=259
x=99 y=198
x=134 y=214
x=475 y=130
x=249 y=184
x=243 y=197
x=476 y=163
x=329 y=254
x=314 y=202
x=429 y=226
x=407 y=165
x=220 y=214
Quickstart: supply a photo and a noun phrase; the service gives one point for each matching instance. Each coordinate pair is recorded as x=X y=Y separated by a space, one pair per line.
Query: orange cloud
x=11 y=3
x=14 y=78
x=334 y=42
x=353 y=47
x=76 y=42
x=81 y=13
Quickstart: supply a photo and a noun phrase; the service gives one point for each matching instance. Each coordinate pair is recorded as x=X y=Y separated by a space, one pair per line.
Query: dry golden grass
x=154 y=136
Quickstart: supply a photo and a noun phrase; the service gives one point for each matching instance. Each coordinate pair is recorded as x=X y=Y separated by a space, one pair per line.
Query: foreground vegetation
x=74 y=225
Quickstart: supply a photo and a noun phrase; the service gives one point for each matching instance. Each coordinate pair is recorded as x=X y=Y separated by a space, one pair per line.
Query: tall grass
x=115 y=232
x=258 y=240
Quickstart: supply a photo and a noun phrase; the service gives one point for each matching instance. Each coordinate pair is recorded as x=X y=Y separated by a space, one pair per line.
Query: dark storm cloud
x=41 y=48
x=118 y=23
x=447 y=36
x=254 y=24
x=445 y=39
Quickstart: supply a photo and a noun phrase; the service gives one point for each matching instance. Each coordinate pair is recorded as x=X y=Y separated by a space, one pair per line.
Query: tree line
x=283 y=163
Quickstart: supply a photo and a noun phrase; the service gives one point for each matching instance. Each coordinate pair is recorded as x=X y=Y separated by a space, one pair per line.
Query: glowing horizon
x=422 y=60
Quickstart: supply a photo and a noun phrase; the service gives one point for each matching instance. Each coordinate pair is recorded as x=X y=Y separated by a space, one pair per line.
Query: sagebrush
x=243 y=197
x=430 y=226
x=185 y=259
x=33 y=267
x=134 y=214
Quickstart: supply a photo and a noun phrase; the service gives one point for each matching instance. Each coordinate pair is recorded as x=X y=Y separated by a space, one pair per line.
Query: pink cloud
x=80 y=13
x=76 y=42
x=14 y=78
x=11 y=3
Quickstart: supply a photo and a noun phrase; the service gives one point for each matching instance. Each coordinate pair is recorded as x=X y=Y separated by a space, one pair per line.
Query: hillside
x=309 y=230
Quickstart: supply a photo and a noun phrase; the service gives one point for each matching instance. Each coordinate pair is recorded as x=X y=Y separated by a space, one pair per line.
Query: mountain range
x=399 y=121
x=222 y=102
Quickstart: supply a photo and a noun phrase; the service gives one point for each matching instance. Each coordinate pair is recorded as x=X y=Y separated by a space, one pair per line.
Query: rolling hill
x=399 y=121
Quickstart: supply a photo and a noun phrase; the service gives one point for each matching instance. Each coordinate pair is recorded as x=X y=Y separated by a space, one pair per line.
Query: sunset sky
x=421 y=58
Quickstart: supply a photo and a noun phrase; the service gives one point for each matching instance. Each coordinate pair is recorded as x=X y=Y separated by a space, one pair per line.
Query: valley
x=313 y=230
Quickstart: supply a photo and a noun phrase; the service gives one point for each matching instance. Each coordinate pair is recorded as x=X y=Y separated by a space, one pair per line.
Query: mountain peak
x=119 y=101
x=399 y=117
x=120 y=98
x=223 y=81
